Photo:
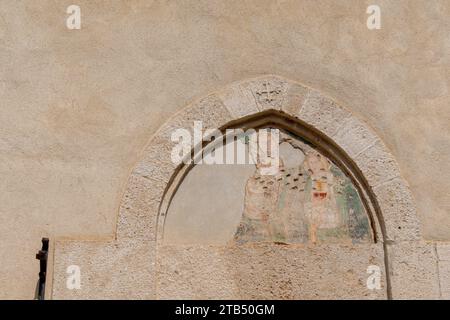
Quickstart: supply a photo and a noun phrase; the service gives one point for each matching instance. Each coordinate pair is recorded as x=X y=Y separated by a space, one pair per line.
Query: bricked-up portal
x=336 y=212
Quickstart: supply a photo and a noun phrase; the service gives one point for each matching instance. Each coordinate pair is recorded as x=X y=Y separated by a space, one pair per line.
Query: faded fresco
x=310 y=200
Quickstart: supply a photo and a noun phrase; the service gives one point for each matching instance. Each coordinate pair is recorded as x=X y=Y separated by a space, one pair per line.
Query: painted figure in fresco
x=257 y=222
x=314 y=202
x=320 y=202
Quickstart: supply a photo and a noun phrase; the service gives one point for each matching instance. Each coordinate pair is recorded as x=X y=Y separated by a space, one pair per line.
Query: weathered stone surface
x=139 y=209
x=156 y=163
x=156 y=160
x=444 y=279
x=413 y=270
x=109 y=270
x=269 y=92
x=296 y=95
x=354 y=136
x=443 y=251
x=268 y=272
x=443 y=254
x=323 y=113
x=238 y=100
x=398 y=210
x=377 y=164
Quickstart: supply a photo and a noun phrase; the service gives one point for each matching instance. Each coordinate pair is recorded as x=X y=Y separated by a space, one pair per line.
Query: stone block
x=413 y=270
x=398 y=210
x=269 y=271
x=238 y=100
x=322 y=113
x=269 y=92
x=377 y=164
x=108 y=270
x=295 y=97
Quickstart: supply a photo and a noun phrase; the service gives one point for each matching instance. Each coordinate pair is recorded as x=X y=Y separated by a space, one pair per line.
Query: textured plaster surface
x=78 y=107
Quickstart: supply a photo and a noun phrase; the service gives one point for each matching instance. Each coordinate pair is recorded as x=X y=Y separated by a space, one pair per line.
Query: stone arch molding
x=128 y=266
x=251 y=97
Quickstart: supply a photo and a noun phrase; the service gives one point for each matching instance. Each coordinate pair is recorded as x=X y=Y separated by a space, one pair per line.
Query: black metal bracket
x=42 y=256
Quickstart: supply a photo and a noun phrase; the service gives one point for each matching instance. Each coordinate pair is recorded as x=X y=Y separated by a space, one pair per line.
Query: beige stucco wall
x=78 y=106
